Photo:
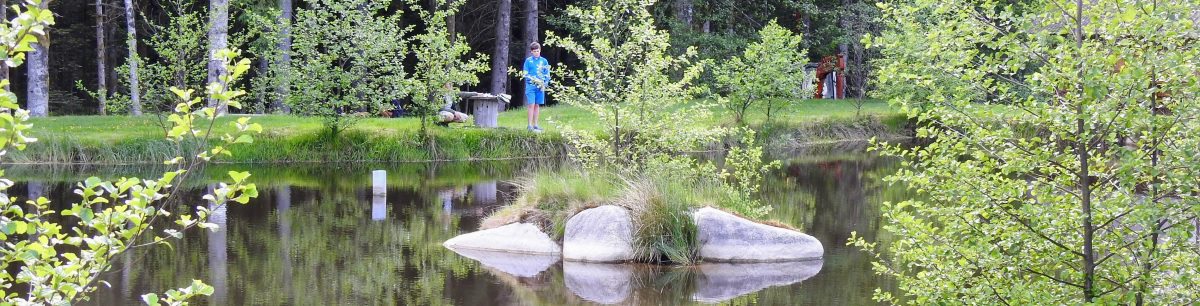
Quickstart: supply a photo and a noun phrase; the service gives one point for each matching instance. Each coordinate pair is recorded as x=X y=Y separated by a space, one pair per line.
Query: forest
x=103 y=55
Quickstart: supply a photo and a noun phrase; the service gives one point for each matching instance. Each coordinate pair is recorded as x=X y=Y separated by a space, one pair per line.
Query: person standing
x=537 y=78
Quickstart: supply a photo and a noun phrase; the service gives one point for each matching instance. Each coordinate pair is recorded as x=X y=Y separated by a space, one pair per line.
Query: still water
x=317 y=236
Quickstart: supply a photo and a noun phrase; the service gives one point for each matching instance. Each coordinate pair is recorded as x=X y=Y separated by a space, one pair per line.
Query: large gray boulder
x=598 y=282
x=719 y=282
x=601 y=234
x=724 y=237
x=521 y=238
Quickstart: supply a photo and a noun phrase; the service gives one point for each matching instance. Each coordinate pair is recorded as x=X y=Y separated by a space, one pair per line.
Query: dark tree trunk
x=38 y=91
x=263 y=101
x=531 y=24
x=135 y=100
x=218 y=39
x=500 y=57
x=283 y=69
x=101 y=59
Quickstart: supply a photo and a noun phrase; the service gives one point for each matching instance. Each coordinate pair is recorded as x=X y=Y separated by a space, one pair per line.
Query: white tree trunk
x=39 y=74
x=101 y=60
x=683 y=12
x=283 y=68
x=135 y=99
x=218 y=39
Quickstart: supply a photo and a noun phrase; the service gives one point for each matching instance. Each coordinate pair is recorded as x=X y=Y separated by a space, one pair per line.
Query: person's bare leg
x=529 y=110
x=537 y=110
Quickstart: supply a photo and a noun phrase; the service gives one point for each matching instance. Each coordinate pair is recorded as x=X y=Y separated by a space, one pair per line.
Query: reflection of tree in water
x=830 y=199
x=333 y=253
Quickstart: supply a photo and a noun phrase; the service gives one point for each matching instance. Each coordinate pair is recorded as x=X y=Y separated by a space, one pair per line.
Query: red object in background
x=832 y=63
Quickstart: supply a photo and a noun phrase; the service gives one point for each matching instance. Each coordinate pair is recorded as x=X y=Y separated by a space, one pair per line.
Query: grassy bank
x=126 y=139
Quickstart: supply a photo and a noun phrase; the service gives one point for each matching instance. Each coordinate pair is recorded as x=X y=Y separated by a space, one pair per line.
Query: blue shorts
x=533 y=95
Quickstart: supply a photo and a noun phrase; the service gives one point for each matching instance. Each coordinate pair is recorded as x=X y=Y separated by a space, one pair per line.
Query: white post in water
x=378 y=182
x=378 y=195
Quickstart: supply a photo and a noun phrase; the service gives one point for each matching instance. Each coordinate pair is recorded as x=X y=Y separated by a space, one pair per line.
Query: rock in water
x=601 y=234
x=724 y=237
x=513 y=238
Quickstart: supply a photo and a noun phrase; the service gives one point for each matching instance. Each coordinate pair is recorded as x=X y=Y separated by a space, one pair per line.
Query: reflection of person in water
x=448 y=195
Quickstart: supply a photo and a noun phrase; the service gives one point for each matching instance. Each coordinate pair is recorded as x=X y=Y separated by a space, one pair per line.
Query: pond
x=317 y=236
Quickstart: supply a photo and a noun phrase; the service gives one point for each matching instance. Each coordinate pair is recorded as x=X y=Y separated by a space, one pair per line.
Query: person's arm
x=546 y=78
x=530 y=70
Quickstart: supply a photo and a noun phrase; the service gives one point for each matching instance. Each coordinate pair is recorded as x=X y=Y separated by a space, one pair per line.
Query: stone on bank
x=724 y=237
x=601 y=234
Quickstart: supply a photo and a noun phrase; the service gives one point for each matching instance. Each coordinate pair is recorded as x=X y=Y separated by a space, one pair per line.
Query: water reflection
x=724 y=281
x=319 y=235
x=597 y=282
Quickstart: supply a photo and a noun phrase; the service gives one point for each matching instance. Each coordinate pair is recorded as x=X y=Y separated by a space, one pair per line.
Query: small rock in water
x=601 y=234
x=513 y=238
x=724 y=237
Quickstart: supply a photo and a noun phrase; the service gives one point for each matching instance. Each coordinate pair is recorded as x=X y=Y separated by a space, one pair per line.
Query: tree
x=768 y=71
x=285 y=54
x=135 y=99
x=531 y=25
x=1063 y=165
x=218 y=39
x=627 y=82
x=38 y=91
x=179 y=46
x=101 y=59
x=339 y=43
x=500 y=55
x=443 y=63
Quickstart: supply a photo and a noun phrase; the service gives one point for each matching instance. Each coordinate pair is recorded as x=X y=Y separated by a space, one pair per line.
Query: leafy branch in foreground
x=58 y=256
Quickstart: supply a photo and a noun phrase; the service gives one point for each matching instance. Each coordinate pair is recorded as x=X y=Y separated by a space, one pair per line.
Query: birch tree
x=38 y=73
x=135 y=99
x=101 y=59
x=218 y=39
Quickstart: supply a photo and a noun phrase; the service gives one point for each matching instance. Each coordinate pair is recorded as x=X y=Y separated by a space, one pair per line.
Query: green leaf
x=1128 y=15
x=244 y=139
x=86 y=215
x=150 y=299
x=238 y=177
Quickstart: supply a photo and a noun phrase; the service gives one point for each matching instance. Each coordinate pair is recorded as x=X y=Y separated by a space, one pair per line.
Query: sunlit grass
x=122 y=139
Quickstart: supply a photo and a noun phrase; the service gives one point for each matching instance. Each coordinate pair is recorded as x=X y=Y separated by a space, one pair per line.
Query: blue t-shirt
x=537 y=72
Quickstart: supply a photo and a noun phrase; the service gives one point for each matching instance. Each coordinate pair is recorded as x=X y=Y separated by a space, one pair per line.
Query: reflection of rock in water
x=600 y=283
x=722 y=281
x=521 y=265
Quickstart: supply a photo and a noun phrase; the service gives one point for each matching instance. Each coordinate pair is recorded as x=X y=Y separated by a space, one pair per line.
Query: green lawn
x=109 y=129
x=108 y=139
